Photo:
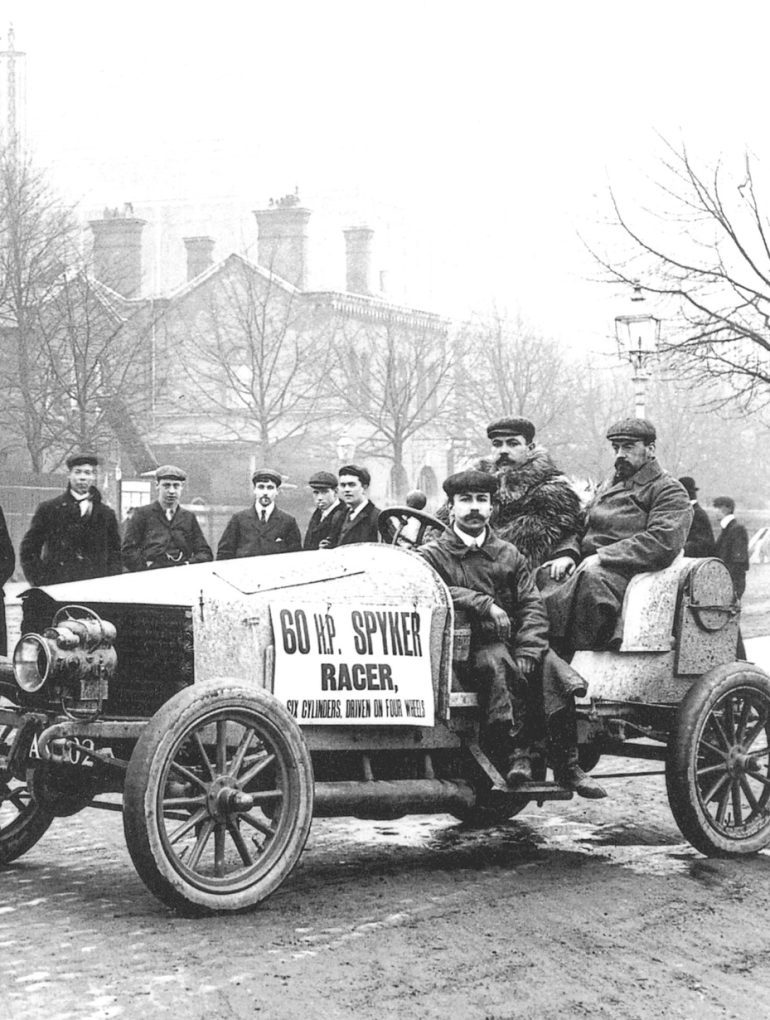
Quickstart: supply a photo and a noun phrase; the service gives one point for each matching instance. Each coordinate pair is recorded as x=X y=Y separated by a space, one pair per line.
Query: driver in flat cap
x=74 y=536
x=637 y=521
x=261 y=529
x=489 y=580
x=163 y=533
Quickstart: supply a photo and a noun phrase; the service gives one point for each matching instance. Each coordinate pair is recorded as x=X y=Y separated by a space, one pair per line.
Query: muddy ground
x=581 y=909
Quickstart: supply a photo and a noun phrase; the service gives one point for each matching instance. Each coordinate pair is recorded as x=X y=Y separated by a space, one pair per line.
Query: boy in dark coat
x=262 y=529
x=327 y=509
x=164 y=534
x=74 y=536
x=359 y=524
x=700 y=540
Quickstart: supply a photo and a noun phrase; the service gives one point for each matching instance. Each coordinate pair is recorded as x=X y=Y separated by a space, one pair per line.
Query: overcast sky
x=474 y=137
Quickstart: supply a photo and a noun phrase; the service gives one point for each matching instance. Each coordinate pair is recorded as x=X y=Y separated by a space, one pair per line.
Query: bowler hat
x=266 y=475
x=634 y=429
x=689 y=484
x=82 y=458
x=323 y=480
x=176 y=474
x=512 y=427
x=470 y=481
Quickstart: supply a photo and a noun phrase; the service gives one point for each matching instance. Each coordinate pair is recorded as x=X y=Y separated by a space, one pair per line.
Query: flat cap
x=266 y=475
x=322 y=480
x=83 y=457
x=689 y=483
x=358 y=472
x=470 y=481
x=176 y=474
x=512 y=427
x=633 y=428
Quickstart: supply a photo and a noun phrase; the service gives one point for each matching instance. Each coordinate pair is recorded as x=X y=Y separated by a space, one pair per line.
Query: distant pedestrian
x=700 y=540
x=164 y=534
x=262 y=529
x=74 y=536
x=7 y=563
x=359 y=524
x=732 y=543
x=327 y=509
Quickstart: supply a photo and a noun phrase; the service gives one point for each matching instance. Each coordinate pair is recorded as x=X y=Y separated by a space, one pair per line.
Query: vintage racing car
x=231 y=702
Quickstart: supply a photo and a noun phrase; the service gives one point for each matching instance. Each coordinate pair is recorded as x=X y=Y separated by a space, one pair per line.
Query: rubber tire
x=682 y=756
x=147 y=769
x=21 y=833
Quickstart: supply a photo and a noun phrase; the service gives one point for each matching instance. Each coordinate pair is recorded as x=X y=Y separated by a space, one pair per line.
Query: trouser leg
x=563 y=753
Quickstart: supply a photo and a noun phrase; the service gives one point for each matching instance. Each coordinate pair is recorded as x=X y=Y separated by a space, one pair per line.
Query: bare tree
x=393 y=380
x=37 y=238
x=511 y=369
x=704 y=250
x=254 y=358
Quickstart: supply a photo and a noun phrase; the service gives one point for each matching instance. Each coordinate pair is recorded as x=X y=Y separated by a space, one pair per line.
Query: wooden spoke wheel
x=718 y=765
x=218 y=799
x=22 y=820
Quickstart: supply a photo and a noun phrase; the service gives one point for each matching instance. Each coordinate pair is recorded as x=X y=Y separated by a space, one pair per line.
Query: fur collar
x=517 y=481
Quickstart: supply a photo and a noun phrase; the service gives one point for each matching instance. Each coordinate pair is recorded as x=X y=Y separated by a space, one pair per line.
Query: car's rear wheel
x=218 y=799
x=22 y=820
x=718 y=764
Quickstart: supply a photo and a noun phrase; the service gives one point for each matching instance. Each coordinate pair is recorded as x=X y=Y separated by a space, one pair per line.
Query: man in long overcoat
x=7 y=563
x=732 y=543
x=74 y=536
x=163 y=533
x=262 y=529
x=328 y=509
x=637 y=521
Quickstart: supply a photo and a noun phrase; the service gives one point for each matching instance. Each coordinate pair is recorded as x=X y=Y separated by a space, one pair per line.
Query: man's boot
x=518 y=768
x=562 y=731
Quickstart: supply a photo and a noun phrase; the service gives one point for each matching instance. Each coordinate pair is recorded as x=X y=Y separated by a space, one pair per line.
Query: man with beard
x=74 y=536
x=262 y=529
x=164 y=534
x=537 y=509
x=637 y=521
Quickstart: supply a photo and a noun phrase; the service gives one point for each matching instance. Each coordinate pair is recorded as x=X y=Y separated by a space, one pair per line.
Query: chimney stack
x=117 y=250
x=282 y=239
x=199 y=255
x=358 y=254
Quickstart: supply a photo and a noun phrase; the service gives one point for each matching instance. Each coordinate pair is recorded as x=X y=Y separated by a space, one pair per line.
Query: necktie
x=170 y=515
x=264 y=516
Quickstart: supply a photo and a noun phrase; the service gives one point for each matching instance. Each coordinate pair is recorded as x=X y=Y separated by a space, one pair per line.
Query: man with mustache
x=637 y=521
x=262 y=529
x=536 y=507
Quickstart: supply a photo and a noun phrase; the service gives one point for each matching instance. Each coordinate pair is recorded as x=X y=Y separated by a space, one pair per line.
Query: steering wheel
x=406 y=527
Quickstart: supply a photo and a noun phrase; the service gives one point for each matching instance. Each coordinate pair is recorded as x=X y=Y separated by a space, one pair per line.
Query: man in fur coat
x=538 y=511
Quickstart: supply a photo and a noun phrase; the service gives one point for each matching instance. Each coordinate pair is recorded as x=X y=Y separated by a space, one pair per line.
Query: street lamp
x=346 y=448
x=638 y=337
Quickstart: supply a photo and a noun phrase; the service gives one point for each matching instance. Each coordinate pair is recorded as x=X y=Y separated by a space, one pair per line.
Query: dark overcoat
x=733 y=549
x=362 y=529
x=700 y=541
x=62 y=545
x=477 y=577
x=151 y=540
x=7 y=564
x=246 y=535
x=632 y=525
x=318 y=529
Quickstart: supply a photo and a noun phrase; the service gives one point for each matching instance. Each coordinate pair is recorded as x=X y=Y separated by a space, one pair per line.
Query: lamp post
x=638 y=338
x=346 y=449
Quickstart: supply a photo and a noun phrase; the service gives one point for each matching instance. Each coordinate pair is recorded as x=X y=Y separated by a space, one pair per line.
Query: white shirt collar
x=470 y=540
x=358 y=509
x=726 y=520
x=268 y=510
x=332 y=508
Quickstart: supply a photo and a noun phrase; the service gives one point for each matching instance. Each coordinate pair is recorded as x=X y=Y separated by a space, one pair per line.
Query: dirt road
x=577 y=910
